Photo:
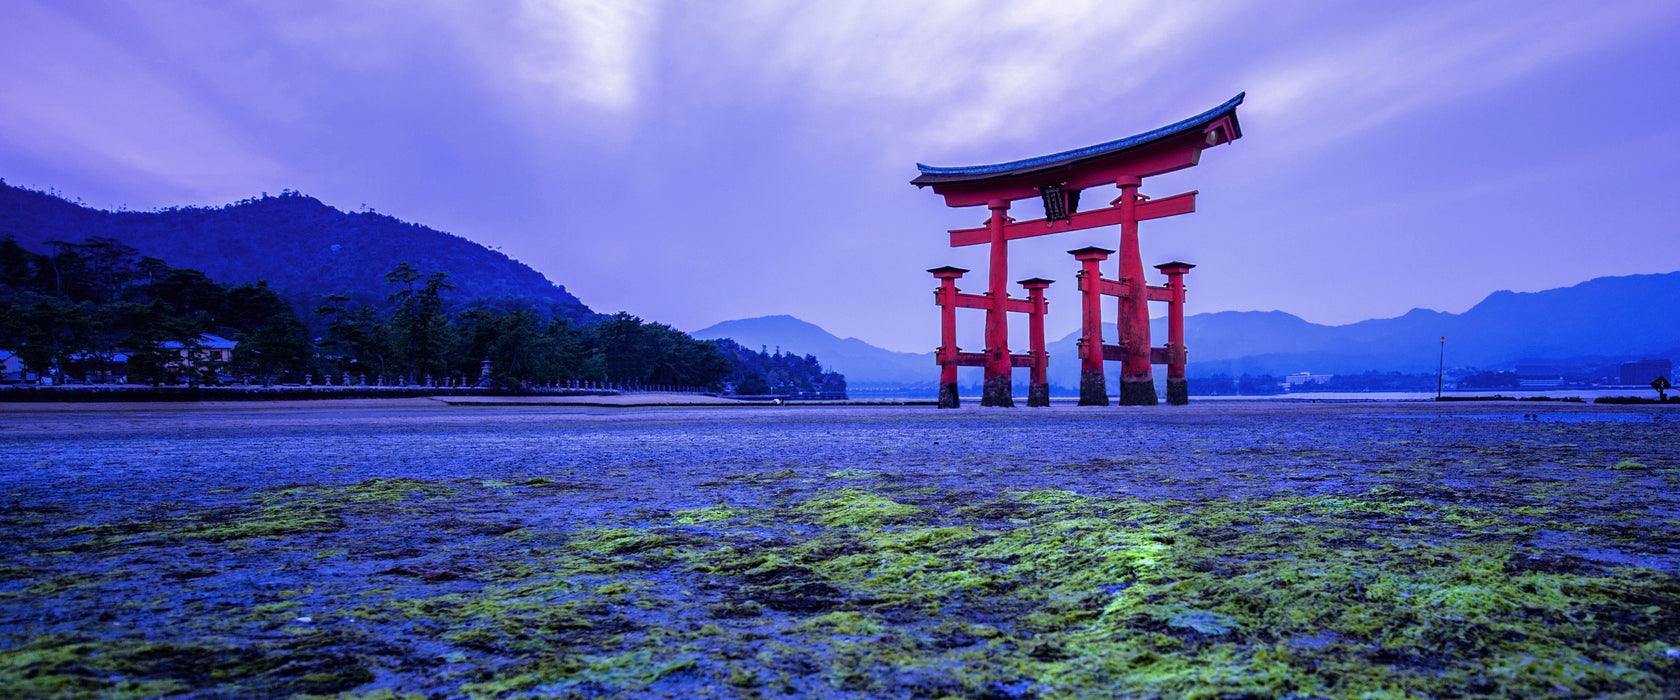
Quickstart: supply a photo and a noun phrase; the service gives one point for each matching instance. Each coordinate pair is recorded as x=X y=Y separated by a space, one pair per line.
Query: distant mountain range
x=863 y=363
x=305 y=249
x=1601 y=321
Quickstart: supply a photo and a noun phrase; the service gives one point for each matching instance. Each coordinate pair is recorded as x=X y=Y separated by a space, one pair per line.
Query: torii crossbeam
x=1058 y=179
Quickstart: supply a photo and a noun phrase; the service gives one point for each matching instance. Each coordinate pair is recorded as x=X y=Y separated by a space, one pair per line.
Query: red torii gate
x=1058 y=179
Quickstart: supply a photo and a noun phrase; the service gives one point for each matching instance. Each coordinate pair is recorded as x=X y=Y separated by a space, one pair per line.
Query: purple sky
x=697 y=162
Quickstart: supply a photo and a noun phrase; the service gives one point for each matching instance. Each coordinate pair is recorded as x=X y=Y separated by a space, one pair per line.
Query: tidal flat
x=402 y=548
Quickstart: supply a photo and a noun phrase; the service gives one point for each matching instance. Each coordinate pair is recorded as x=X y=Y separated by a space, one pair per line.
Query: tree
x=65 y=269
x=1264 y=384
x=629 y=351
x=184 y=292
x=17 y=266
x=44 y=330
x=752 y=384
x=691 y=362
x=620 y=344
x=1491 y=380
x=563 y=350
x=271 y=339
x=148 y=327
x=1215 y=385
x=419 y=330
x=776 y=372
x=109 y=265
x=510 y=340
x=355 y=339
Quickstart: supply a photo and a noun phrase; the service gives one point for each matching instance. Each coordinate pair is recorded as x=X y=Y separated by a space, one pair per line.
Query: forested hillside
x=96 y=309
x=757 y=373
x=304 y=249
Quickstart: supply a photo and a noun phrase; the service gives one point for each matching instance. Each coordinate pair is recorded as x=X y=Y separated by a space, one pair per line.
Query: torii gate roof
x=936 y=175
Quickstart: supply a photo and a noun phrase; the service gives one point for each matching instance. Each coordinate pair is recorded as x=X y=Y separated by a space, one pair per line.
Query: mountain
x=862 y=363
x=1601 y=321
x=1609 y=317
x=304 y=248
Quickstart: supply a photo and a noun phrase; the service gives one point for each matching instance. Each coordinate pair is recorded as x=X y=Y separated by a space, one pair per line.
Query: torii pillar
x=1093 y=386
x=1178 y=388
x=1038 y=388
x=997 y=390
x=946 y=296
x=1137 y=383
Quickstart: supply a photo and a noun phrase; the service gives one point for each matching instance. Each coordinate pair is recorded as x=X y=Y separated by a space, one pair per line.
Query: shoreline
x=636 y=403
x=13 y=398
x=131 y=393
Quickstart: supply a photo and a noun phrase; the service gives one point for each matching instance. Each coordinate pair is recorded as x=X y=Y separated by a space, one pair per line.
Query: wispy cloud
x=1332 y=86
x=109 y=111
x=593 y=53
x=945 y=75
x=550 y=58
x=949 y=73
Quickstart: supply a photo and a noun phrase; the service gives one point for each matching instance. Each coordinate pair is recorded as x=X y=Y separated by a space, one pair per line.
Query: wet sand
x=409 y=533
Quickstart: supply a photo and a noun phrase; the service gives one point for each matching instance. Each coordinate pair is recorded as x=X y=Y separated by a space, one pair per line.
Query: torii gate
x=1058 y=179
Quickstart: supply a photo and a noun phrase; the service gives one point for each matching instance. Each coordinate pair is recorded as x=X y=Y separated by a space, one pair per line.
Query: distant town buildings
x=11 y=367
x=209 y=348
x=1538 y=376
x=1297 y=379
x=1646 y=371
x=208 y=351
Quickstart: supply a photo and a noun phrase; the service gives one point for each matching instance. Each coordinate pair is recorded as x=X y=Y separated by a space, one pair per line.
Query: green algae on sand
x=1376 y=564
x=1371 y=595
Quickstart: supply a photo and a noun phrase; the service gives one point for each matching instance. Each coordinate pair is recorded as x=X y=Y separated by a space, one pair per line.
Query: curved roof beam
x=932 y=174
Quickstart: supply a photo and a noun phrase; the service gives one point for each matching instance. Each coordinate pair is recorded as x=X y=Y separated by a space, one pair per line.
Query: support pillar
x=1178 y=388
x=946 y=356
x=1093 y=386
x=997 y=390
x=1038 y=390
x=1137 y=381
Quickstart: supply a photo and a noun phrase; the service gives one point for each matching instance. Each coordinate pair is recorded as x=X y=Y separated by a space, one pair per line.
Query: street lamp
x=1440 y=368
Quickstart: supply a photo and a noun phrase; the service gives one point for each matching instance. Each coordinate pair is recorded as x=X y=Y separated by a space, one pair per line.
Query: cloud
x=594 y=53
x=944 y=74
x=965 y=79
x=1350 y=82
x=551 y=59
x=110 y=111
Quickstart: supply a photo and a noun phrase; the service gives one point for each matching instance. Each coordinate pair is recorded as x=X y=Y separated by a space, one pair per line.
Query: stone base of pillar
x=1093 y=389
x=997 y=392
x=1038 y=395
x=1178 y=392
x=1138 y=392
x=948 y=396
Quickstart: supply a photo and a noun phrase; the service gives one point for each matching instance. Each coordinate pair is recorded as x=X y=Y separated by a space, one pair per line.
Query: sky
x=692 y=163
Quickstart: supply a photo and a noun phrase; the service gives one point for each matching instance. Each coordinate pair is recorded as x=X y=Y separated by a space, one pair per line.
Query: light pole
x=1440 y=368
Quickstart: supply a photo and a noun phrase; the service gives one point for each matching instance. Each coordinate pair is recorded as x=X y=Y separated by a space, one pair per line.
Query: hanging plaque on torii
x=1058 y=179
